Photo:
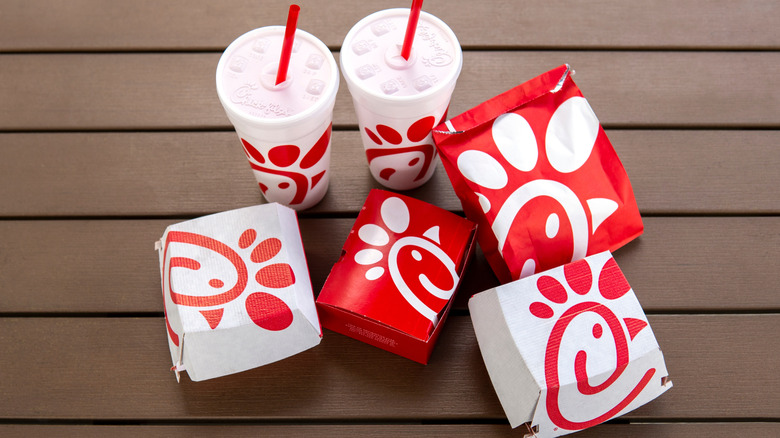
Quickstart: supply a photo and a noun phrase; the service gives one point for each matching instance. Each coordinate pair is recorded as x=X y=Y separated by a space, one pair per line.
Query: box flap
x=221 y=352
x=515 y=386
x=304 y=294
x=597 y=399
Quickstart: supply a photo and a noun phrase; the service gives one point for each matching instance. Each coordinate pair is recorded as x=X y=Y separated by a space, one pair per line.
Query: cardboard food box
x=568 y=348
x=399 y=269
x=236 y=291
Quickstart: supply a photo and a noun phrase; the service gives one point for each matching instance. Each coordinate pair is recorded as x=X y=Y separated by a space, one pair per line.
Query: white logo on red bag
x=284 y=182
x=407 y=256
x=608 y=345
x=569 y=140
x=232 y=279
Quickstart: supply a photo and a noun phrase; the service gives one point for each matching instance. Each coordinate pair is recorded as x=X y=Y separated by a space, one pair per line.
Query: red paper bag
x=535 y=170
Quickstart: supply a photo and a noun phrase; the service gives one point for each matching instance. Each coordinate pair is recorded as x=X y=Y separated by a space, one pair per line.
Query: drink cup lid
x=246 y=75
x=370 y=57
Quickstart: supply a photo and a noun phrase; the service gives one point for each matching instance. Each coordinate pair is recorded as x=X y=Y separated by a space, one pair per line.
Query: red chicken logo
x=215 y=274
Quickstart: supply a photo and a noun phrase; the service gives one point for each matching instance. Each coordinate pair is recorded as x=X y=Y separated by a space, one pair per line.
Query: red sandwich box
x=398 y=272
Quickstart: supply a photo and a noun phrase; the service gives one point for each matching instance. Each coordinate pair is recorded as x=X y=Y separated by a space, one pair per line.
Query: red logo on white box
x=587 y=338
x=218 y=274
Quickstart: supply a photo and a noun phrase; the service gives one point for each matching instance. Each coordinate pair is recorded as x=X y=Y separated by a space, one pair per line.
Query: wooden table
x=110 y=130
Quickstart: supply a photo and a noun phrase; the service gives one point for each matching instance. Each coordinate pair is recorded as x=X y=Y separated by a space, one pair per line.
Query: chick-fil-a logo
x=402 y=162
x=285 y=173
x=216 y=274
x=410 y=259
x=543 y=179
x=588 y=308
x=245 y=95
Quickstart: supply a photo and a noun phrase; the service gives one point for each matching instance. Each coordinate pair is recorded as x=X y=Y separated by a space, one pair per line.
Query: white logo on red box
x=392 y=249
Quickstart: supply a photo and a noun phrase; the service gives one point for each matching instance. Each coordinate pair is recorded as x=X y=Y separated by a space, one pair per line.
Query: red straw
x=411 y=27
x=287 y=45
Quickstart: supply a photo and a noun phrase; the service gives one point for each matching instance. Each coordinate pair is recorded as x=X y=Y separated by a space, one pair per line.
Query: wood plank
x=177 y=91
x=687 y=90
x=189 y=174
x=679 y=264
x=118 y=369
x=177 y=25
x=680 y=430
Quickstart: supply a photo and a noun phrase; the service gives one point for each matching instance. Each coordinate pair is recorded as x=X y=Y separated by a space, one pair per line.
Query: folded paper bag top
x=535 y=170
x=236 y=291
x=568 y=348
x=400 y=267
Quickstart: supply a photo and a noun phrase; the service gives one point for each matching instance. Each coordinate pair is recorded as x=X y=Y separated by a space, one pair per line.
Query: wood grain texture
x=202 y=25
x=195 y=173
x=111 y=129
x=177 y=90
x=118 y=368
x=679 y=264
x=677 y=430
